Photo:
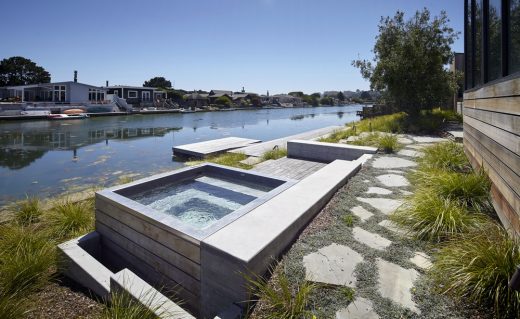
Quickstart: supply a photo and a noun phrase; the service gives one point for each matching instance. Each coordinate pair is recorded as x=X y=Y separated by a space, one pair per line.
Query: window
x=514 y=36
x=59 y=93
x=132 y=94
x=468 y=45
x=477 y=20
x=494 y=40
x=145 y=95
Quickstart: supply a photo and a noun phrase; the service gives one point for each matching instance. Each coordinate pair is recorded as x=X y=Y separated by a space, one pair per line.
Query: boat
x=67 y=116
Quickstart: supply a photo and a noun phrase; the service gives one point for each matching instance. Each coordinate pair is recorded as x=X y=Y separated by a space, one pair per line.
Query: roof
x=196 y=96
x=131 y=87
x=220 y=92
x=28 y=86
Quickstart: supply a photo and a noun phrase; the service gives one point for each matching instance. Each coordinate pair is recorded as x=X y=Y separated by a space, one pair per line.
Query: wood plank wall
x=492 y=141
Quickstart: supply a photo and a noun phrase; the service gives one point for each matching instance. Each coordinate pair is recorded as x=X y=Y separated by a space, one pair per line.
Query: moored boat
x=67 y=116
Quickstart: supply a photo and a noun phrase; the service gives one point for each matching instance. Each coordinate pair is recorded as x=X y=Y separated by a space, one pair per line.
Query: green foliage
x=348 y=293
x=224 y=101
x=433 y=218
x=384 y=142
x=124 y=306
x=18 y=70
x=158 y=82
x=27 y=211
x=448 y=156
x=341 y=96
x=274 y=154
x=386 y=123
x=471 y=190
x=327 y=101
x=12 y=306
x=478 y=266
x=337 y=135
x=282 y=301
x=228 y=159
x=70 y=219
x=349 y=220
x=406 y=51
x=26 y=255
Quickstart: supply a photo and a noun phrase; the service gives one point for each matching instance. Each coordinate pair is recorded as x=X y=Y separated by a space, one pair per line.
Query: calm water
x=46 y=158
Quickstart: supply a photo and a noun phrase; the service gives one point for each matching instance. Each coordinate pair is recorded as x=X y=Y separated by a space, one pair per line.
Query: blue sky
x=275 y=45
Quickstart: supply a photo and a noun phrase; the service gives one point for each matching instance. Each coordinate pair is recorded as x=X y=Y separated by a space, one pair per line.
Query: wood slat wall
x=492 y=141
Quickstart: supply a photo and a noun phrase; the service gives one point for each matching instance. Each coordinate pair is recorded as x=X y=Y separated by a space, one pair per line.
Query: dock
x=213 y=147
x=289 y=168
x=257 y=150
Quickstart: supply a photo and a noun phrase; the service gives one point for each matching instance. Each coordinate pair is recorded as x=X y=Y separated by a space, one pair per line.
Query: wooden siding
x=492 y=141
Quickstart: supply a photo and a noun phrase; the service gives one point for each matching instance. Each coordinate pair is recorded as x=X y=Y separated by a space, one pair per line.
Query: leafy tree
x=365 y=95
x=223 y=101
x=341 y=96
x=409 y=61
x=297 y=94
x=158 y=82
x=18 y=70
x=327 y=101
x=316 y=95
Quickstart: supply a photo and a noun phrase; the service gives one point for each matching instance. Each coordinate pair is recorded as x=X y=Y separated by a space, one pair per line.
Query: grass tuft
x=124 y=306
x=349 y=220
x=478 y=267
x=12 y=306
x=348 y=293
x=227 y=159
x=274 y=154
x=337 y=135
x=282 y=300
x=27 y=211
x=448 y=156
x=430 y=217
x=26 y=255
x=70 y=219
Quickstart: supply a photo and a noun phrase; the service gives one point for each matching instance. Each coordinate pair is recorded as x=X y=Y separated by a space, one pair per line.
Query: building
x=492 y=99
x=457 y=65
x=138 y=96
x=195 y=99
x=215 y=94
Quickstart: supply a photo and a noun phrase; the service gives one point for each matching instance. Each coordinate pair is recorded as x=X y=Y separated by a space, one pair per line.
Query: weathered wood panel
x=492 y=140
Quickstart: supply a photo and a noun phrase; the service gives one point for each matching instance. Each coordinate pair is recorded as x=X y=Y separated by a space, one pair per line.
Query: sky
x=275 y=45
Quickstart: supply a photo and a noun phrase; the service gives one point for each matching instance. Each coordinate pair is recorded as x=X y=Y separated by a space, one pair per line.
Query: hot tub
x=154 y=226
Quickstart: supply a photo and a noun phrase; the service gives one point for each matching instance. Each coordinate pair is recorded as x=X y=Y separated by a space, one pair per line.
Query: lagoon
x=48 y=158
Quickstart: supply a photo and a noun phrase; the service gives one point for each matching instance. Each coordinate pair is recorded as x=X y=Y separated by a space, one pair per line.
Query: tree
x=341 y=96
x=409 y=62
x=158 y=82
x=365 y=95
x=296 y=94
x=327 y=101
x=18 y=70
x=223 y=101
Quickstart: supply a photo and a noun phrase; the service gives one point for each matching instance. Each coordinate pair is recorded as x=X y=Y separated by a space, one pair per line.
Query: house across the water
x=138 y=96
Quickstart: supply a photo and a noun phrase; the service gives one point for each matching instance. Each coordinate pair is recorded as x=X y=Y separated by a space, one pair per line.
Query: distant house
x=136 y=95
x=286 y=100
x=57 y=92
x=196 y=100
x=246 y=98
x=215 y=94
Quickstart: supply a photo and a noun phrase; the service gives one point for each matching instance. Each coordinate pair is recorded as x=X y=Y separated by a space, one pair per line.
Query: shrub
x=448 y=156
x=349 y=220
x=27 y=211
x=469 y=190
x=70 y=219
x=26 y=256
x=388 y=143
x=283 y=301
x=478 y=267
x=274 y=154
x=12 y=306
x=337 y=135
x=430 y=217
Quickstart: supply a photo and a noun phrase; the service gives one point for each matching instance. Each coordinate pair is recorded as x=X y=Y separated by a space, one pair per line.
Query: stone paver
x=333 y=265
x=404 y=140
x=360 y=308
x=421 y=260
x=384 y=205
x=393 y=180
x=406 y=193
x=251 y=160
x=428 y=139
x=362 y=213
x=410 y=153
x=391 y=227
x=370 y=239
x=396 y=282
x=417 y=146
x=389 y=162
x=379 y=191
x=394 y=171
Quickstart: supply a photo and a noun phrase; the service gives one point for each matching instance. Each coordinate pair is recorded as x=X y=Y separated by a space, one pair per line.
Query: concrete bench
x=326 y=152
x=251 y=243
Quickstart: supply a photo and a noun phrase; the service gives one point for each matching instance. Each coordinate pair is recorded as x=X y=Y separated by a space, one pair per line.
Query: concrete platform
x=260 y=148
x=208 y=148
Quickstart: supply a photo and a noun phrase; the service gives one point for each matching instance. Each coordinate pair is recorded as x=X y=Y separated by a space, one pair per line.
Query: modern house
x=60 y=95
x=215 y=94
x=196 y=99
x=136 y=95
x=492 y=99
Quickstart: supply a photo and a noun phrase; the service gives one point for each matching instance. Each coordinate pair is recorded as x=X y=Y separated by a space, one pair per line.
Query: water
x=200 y=202
x=47 y=158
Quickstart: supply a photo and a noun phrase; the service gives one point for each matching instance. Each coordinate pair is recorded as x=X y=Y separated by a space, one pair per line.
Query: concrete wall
x=325 y=152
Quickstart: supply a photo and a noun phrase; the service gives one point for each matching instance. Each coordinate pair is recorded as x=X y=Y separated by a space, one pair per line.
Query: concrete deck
x=207 y=148
x=288 y=168
x=260 y=148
